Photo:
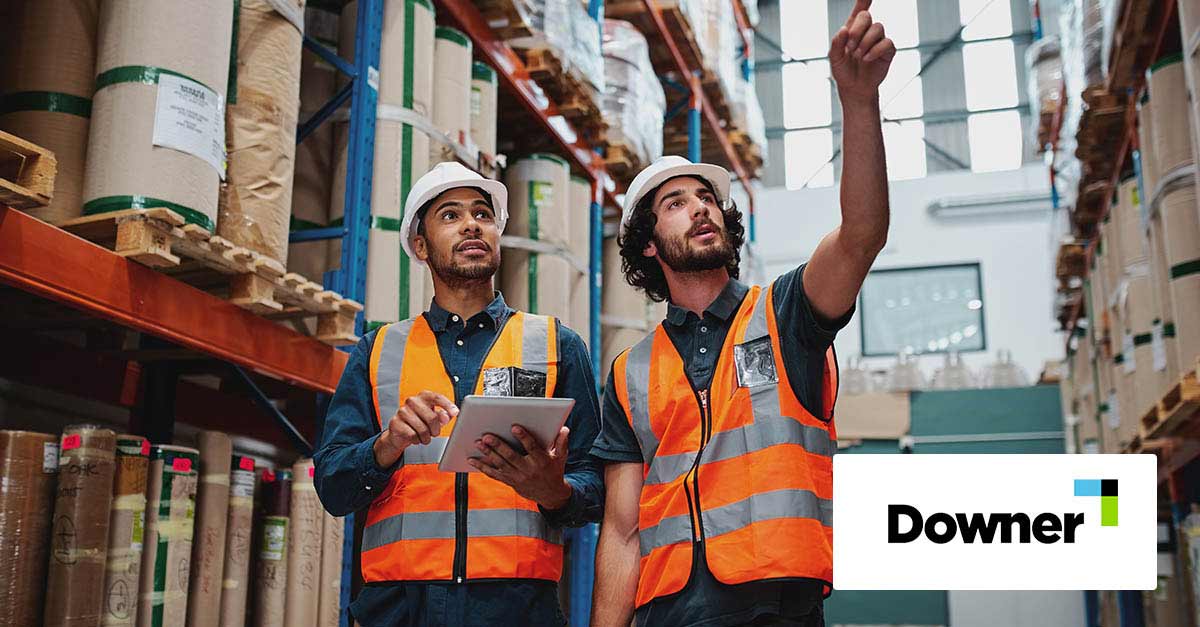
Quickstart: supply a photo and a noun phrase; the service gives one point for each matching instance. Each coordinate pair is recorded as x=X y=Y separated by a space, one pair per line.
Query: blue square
x=1087 y=487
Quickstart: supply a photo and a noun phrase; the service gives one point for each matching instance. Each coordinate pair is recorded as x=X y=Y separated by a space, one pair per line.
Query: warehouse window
x=995 y=139
x=990 y=74
x=807 y=155
x=985 y=19
x=807 y=95
x=904 y=145
x=807 y=32
x=900 y=94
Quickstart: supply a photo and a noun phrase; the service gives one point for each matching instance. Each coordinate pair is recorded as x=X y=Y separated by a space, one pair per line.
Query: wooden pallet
x=161 y=239
x=507 y=19
x=576 y=100
x=27 y=173
x=635 y=12
x=1135 y=40
x=1071 y=261
x=1176 y=411
x=748 y=152
x=621 y=162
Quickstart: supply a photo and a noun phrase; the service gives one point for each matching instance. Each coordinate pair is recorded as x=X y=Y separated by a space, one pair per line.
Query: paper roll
x=332 y=538
x=539 y=194
x=451 y=112
x=270 y=586
x=170 y=518
x=256 y=199
x=484 y=89
x=304 y=549
x=126 y=531
x=239 y=530
x=29 y=466
x=79 y=537
x=124 y=166
x=1160 y=282
x=49 y=47
x=579 y=229
x=1171 y=122
x=1150 y=171
x=396 y=42
x=1182 y=242
x=212 y=514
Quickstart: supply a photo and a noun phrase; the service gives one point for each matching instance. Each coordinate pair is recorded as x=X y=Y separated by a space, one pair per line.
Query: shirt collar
x=439 y=318
x=723 y=307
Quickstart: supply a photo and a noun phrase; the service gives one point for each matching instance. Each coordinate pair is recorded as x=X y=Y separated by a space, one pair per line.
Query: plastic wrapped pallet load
x=451 y=111
x=166 y=556
x=633 y=102
x=270 y=592
x=396 y=288
x=212 y=515
x=238 y=535
x=29 y=465
x=126 y=531
x=256 y=199
x=333 y=534
x=304 y=549
x=483 y=107
x=79 y=537
x=157 y=137
x=579 y=227
x=313 y=183
x=538 y=196
x=47 y=79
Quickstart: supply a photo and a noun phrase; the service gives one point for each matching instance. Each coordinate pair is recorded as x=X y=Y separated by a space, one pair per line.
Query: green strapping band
x=371 y=325
x=231 y=88
x=1142 y=339
x=381 y=223
x=145 y=74
x=483 y=72
x=1103 y=407
x=1118 y=358
x=450 y=34
x=300 y=224
x=1185 y=269
x=108 y=204
x=406 y=164
x=545 y=156
x=1170 y=59
x=425 y=3
x=51 y=101
x=1080 y=332
x=1169 y=329
x=534 y=232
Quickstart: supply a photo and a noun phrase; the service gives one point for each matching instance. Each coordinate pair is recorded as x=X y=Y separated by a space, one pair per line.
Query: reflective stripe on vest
x=762 y=489
x=411 y=527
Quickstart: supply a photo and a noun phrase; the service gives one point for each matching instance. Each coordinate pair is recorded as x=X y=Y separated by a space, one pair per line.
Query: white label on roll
x=50 y=457
x=190 y=118
x=1158 y=347
x=476 y=101
x=1114 y=411
x=241 y=483
x=1127 y=352
x=274 y=538
x=373 y=77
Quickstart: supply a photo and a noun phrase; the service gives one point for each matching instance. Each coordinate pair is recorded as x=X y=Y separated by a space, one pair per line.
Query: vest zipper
x=460 y=527
x=705 y=436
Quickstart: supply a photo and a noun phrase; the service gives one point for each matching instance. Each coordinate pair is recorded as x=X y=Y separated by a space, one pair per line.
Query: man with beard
x=456 y=549
x=718 y=432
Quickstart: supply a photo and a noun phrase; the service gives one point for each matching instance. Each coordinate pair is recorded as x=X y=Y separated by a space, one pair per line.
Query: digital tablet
x=478 y=415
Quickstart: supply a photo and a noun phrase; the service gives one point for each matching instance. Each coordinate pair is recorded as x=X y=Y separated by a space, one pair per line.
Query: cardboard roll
x=29 y=465
x=1146 y=147
x=270 y=591
x=579 y=236
x=256 y=199
x=1130 y=237
x=79 y=537
x=333 y=532
x=304 y=548
x=400 y=47
x=451 y=112
x=126 y=531
x=1163 y=309
x=170 y=508
x=537 y=282
x=1181 y=226
x=538 y=198
x=238 y=541
x=212 y=516
x=1171 y=121
x=484 y=90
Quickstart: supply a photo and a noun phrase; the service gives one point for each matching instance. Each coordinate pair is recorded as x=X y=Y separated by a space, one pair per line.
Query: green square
x=1108 y=511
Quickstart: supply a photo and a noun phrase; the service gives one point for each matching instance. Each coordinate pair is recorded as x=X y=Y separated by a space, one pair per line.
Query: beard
x=682 y=256
x=453 y=272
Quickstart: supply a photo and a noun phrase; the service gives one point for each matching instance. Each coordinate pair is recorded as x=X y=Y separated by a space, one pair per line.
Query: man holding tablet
x=718 y=427
x=442 y=548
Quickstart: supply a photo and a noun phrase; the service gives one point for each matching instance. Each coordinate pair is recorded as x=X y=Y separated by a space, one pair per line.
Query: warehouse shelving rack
x=51 y=279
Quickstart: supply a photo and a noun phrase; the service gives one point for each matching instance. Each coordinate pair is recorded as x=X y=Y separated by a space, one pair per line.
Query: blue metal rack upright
x=350 y=279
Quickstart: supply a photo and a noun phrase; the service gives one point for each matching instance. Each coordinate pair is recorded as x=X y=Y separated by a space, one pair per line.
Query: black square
x=1108 y=487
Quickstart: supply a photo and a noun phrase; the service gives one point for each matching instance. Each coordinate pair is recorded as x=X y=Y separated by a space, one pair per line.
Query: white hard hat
x=446 y=176
x=669 y=167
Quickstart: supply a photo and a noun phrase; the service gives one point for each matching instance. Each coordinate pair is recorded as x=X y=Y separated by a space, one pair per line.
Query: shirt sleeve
x=583 y=473
x=617 y=443
x=804 y=336
x=346 y=476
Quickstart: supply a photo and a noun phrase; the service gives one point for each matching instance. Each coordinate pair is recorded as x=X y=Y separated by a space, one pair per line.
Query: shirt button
x=368 y=488
x=703 y=350
x=454 y=318
x=704 y=329
x=480 y=325
x=459 y=342
x=456 y=378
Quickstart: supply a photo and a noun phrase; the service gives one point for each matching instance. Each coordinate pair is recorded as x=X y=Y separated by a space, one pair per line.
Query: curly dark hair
x=645 y=272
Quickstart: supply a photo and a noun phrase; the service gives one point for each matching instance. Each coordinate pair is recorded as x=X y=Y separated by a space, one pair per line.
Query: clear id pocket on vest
x=755 y=363
x=514 y=381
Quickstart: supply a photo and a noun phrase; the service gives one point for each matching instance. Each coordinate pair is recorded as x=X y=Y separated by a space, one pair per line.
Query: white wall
x=1014 y=254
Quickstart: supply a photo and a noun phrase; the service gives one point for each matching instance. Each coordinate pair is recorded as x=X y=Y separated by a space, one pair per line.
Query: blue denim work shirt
x=348 y=479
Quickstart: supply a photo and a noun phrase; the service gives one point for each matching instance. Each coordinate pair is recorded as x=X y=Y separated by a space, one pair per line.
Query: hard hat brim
x=714 y=174
x=494 y=189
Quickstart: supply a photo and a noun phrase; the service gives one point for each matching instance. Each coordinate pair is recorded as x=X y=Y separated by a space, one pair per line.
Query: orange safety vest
x=741 y=466
x=413 y=529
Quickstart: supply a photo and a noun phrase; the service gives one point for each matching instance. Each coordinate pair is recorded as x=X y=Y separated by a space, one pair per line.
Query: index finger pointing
x=441 y=401
x=859 y=7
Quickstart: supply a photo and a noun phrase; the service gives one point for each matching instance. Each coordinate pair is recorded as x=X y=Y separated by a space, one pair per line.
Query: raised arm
x=859 y=57
x=618 y=554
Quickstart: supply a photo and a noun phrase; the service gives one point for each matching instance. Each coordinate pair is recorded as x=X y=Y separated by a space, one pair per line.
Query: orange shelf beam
x=51 y=263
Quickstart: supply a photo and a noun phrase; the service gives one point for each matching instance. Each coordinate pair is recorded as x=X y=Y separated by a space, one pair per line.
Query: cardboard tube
x=208 y=546
x=579 y=227
x=451 y=111
x=332 y=538
x=126 y=531
x=79 y=538
x=1182 y=228
x=1171 y=122
x=239 y=529
x=29 y=465
x=167 y=555
x=304 y=549
x=270 y=586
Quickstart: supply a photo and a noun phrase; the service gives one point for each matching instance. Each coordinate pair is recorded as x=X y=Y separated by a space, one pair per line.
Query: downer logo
x=906 y=523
